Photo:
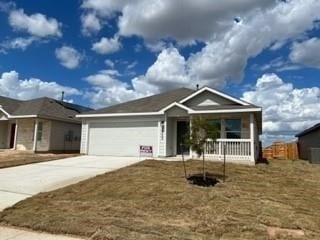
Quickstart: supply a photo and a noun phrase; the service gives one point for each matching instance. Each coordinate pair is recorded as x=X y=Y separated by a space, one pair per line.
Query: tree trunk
x=203 y=172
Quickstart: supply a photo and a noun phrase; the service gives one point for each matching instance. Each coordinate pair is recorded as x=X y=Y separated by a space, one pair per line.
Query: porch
x=7 y=134
x=238 y=141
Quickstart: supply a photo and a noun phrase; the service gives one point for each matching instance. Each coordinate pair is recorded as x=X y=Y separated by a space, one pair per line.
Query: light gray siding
x=25 y=134
x=171 y=136
x=3 y=134
x=310 y=140
x=84 y=137
x=206 y=98
x=43 y=144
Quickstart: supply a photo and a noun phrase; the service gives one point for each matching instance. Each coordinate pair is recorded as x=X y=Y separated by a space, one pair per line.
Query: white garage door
x=122 y=138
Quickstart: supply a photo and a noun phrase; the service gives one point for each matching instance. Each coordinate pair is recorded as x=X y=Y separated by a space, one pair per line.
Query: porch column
x=15 y=136
x=252 y=136
x=35 y=136
x=190 y=126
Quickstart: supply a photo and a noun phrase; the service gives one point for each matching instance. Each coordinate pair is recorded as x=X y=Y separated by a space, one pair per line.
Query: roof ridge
x=143 y=98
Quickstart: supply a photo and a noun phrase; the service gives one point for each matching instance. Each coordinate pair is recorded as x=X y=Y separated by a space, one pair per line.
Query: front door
x=12 y=135
x=182 y=130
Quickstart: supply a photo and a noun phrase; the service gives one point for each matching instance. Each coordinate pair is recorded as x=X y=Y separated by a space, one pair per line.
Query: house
x=308 y=139
x=159 y=123
x=42 y=124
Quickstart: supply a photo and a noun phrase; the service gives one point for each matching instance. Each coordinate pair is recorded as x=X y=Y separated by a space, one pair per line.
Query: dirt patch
x=276 y=233
x=153 y=200
x=11 y=158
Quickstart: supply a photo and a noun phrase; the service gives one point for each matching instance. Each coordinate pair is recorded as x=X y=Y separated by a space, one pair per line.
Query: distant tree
x=201 y=131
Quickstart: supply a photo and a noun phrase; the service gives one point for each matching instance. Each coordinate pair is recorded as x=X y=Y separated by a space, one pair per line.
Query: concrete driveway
x=18 y=183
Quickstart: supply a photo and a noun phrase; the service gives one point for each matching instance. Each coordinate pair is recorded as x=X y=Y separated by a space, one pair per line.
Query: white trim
x=252 y=137
x=2 y=110
x=227 y=111
x=214 y=92
x=117 y=114
x=22 y=116
x=162 y=111
x=15 y=136
x=35 y=136
x=175 y=104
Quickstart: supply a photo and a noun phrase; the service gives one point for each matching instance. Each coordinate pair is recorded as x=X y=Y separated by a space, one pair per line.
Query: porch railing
x=236 y=149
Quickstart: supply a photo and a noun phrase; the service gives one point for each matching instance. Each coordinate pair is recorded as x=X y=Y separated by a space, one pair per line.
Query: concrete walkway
x=17 y=234
x=18 y=183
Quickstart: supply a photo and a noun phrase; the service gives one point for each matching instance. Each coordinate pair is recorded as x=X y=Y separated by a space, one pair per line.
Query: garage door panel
x=122 y=138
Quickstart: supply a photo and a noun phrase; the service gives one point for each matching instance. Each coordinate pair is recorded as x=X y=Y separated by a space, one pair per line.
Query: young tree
x=201 y=131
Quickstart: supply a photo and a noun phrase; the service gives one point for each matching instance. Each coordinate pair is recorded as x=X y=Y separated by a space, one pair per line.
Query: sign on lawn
x=146 y=151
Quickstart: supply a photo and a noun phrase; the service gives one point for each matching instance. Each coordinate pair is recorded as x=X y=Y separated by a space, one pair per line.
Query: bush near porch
x=152 y=200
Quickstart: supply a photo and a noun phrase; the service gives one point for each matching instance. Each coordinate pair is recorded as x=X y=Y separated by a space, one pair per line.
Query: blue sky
x=101 y=52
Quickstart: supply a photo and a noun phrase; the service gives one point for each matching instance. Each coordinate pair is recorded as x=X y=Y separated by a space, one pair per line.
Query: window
x=162 y=131
x=40 y=130
x=217 y=124
x=69 y=136
x=233 y=128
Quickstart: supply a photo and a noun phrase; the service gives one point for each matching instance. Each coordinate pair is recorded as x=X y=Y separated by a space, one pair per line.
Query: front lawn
x=152 y=200
x=17 y=158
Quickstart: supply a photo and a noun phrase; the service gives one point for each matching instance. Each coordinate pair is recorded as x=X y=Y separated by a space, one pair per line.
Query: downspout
x=35 y=136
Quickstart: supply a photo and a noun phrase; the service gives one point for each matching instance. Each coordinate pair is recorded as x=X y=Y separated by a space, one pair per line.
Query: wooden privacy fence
x=281 y=150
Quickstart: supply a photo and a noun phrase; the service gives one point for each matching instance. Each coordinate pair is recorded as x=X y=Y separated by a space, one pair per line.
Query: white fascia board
x=227 y=111
x=214 y=92
x=16 y=116
x=2 y=110
x=22 y=116
x=118 y=114
x=175 y=104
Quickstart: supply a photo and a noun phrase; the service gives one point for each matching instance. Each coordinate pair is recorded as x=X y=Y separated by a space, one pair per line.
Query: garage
x=122 y=138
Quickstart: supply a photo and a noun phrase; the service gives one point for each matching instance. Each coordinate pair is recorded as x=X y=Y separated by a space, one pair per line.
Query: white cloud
x=90 y=23
x=109 y=63
x=105 y=8
x=7 y=6
x=192 y=20
x=306 y=53
x=37 y=24
x=107 y=45
x=229 y=44
x=286 y=110
x=12 y=86
x=18 y=43
x=280 y=65
x=68 y=56
x=168 y=71
x=108 y=90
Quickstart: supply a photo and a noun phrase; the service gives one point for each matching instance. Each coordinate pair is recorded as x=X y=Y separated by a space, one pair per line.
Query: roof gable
x=41 y=107
x=209 y=97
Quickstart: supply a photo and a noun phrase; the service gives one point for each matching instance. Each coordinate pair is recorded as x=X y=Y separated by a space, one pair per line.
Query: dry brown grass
x=10 y=158
x=152 y=200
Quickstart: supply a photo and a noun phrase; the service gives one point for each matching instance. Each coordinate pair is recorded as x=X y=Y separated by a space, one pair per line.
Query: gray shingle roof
x=42 y=107
x=148 y=104
x=309 y=130
x=9 y=104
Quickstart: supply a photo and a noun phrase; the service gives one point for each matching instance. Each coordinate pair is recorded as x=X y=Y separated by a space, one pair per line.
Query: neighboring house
x=42 y=124
x=161 y=121
x=307 y=139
